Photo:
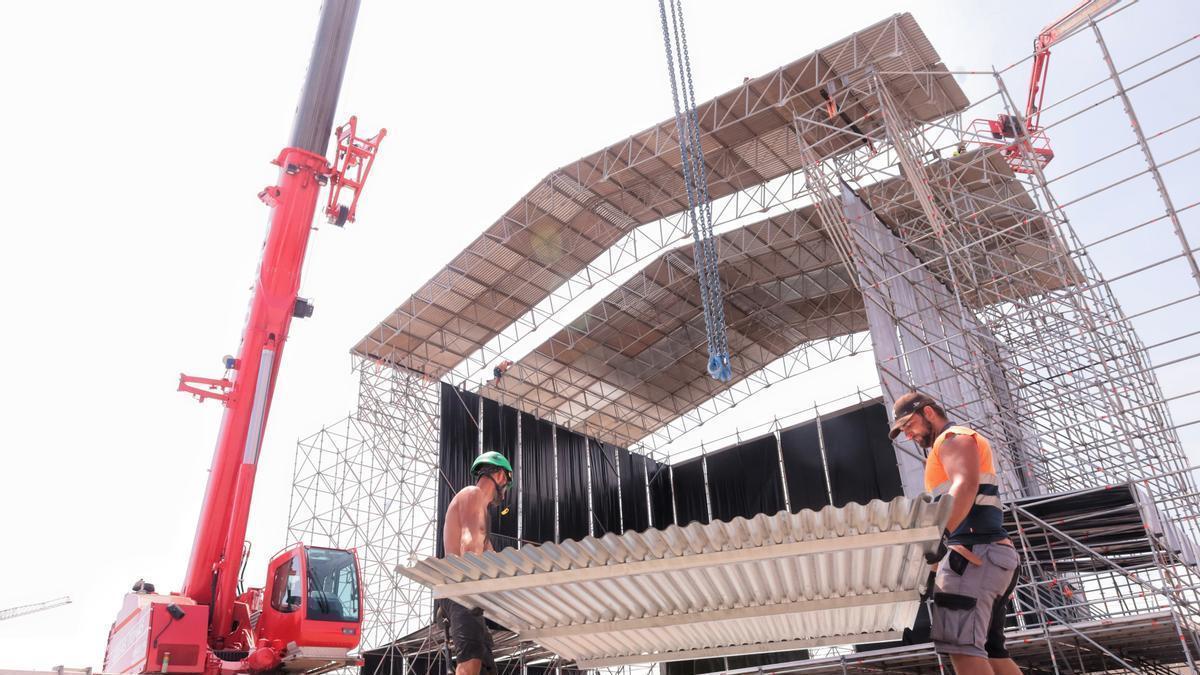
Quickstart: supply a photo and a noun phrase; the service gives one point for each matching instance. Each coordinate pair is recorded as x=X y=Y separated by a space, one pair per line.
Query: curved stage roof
x=574 y=214
x=636 y=360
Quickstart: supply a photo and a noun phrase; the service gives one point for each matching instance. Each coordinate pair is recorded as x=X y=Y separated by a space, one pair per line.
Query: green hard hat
x=490 y=459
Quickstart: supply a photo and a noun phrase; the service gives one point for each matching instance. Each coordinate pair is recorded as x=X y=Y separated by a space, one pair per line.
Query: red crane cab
x=312 y=599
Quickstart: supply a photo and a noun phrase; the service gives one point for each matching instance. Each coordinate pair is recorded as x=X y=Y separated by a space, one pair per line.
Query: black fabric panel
x=805 y=470
x=862 y=462
x=662 y=510
x=491 y=426
x=606 y=488
x=717 y=665
x=744 y=480
x=690 y=503
x=572 y=486
x=458 y=447
x=389 y=662
x=511 y=667
x=384 y=661
x=500 y=435
x=537 y=472
x=633 y=490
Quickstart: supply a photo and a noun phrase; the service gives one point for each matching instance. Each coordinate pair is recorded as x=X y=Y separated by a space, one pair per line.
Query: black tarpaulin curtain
x=690 y=504
x=572 y=485
x=500 y=435
x=661 y=493
x=862 y=461
x=717 y=665
x=606 y=488
x=458 y=447
x=744 y=480
x=537 y=473
x=375 y=663
x=633 y=490
x=805 y=470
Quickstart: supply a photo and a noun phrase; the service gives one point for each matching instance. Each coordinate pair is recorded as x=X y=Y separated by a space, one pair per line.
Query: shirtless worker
x=466 y=531
x=973 y=583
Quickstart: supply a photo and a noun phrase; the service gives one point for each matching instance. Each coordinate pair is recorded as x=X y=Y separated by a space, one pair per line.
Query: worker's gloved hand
x=934 y=557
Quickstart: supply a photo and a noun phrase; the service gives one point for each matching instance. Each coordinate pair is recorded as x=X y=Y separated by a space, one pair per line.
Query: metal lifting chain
x=695 y=179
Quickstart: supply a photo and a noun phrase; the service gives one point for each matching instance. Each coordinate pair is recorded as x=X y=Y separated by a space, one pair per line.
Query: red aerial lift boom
x=1031 y=149
x=307 y=618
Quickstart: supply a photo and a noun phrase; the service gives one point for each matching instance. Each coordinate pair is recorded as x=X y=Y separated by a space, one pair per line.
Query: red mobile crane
x=1030 y=149
x=308 y=615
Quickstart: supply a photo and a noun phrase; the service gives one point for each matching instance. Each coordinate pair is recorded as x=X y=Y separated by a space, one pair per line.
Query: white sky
x=139 y=133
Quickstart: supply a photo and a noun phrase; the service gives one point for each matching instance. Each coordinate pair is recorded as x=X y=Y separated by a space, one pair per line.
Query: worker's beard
x=500 y=494
x=925 y=438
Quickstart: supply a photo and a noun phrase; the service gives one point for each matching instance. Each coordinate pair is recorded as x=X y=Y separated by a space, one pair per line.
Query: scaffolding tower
x=369 y=482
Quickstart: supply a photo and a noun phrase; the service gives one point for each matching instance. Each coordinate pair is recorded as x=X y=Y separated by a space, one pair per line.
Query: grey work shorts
x=969 y=601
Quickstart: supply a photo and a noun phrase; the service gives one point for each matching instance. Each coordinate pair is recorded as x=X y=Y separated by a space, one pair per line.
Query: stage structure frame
x=917 y=244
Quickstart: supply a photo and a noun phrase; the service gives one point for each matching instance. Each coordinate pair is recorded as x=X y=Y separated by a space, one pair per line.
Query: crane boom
x=1051 y=34
x=220 y=535
x=22 y=610
x=309 y=612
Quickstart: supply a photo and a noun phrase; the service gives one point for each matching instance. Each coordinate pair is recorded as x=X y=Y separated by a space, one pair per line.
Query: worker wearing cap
x=466 y=531
x=974 y=581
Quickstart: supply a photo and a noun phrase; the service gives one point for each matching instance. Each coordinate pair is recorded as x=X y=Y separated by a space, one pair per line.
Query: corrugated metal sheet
x=770 y=583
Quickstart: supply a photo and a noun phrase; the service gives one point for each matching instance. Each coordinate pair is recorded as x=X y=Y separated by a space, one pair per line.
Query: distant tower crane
x=22 y=610
x=1025 y=145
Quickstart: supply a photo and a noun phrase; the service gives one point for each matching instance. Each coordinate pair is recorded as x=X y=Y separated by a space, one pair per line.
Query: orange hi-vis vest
x=984 y=524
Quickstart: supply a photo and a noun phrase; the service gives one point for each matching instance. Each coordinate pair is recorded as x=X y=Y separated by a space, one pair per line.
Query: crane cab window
x=332 y=585
x=286 y=589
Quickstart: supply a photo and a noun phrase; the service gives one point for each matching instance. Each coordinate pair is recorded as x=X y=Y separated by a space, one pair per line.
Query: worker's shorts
x=469 y=635
x=969 y=601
